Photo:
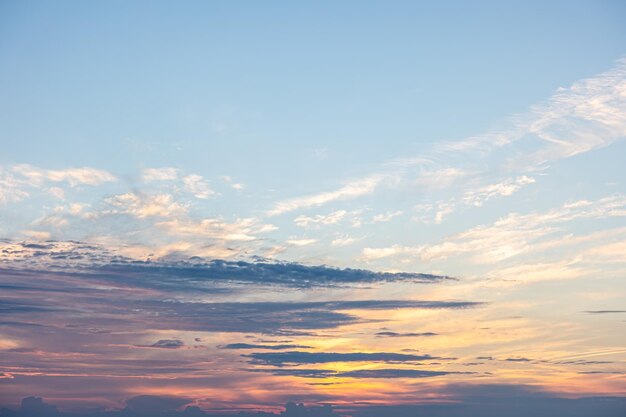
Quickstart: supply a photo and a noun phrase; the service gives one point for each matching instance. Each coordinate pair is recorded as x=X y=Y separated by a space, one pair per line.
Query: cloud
x=586 y=116
x=392 y=373
x=73 y=176
x=300 y=410
x=159 y=174
x=198 y=186
x=258 y=346
x=11 y=190
x=605 y=311
x=279 y=318
x=48 y=283
x=318 y=220
x=57 y=192
x=509 y=236
x=36 y=234
x=239 y=230
x=395 y=334
x=301 y=242
x=154 y=404
x=162 y=406
x=168 y=344
x=145 y=205
x=32 y=406
x=230 y=181
x=351 y=189
x=301 y=358
x=440 y=178
x=96 y=262
x=395 y=373
x=520 y=405
x=485 y=400
x=385 y=217
x=344 y=241
x=505 y=188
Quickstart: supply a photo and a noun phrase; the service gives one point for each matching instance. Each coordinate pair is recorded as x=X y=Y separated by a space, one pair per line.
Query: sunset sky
x=388 y=208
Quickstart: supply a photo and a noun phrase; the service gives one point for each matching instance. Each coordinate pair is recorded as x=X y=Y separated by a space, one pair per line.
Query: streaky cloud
x=396 y=334
x=237 y=346
x=300 y=358
x=604 y=311
x=197 y=273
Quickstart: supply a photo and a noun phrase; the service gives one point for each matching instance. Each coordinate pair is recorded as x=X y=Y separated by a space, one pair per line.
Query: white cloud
x=385 y=217
x=301 y=242
x=443 y=209
x=588 y=115
x=352 y=189
x=74 y=209
x=240 y=230
x=145 y=205
x=440 y=178
x=36 y=234
x=275 y=250
x=197 y=186
x=10 y=189
x=344 y=241
x=501 y=189
x=57 y=193
x=159 y=174
x=509 y=236
x=231 y=182
x=316 y=221
x=74 y=176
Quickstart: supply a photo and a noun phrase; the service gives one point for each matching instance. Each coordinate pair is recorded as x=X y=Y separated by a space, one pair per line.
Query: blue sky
x=481 y=142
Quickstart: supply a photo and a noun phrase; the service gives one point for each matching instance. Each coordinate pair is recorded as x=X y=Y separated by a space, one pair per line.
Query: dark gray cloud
x=12 y=307
x=302 y=373
x=167 y=344
x=259 y=346
x=36 y=406
x=602 y=372
x=604 y=311
x=469 y=400
x=391 y=373
x=154 y=404
x=98 y=308
x=582 y=362
x=395 y=334
x=396 y=373
x=284 y=273
x=84 y=319
x=197 y=274
x=300 y=358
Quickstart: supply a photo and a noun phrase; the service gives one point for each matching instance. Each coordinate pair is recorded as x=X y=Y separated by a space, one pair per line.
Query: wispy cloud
x=73 y=176
x=319 y=220
x=586 y=116
x=159 y=174
x=144 y=205
x=197 y=273
x=302 y=357
x=351 y=189
x=478 y=196
x=198 y=186
x=509 y=236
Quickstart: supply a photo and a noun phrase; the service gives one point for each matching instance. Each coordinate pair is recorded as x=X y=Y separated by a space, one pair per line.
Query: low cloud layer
x=474 y=400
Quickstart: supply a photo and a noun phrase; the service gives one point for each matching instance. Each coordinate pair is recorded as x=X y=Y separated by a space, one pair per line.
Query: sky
x=357 y=209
